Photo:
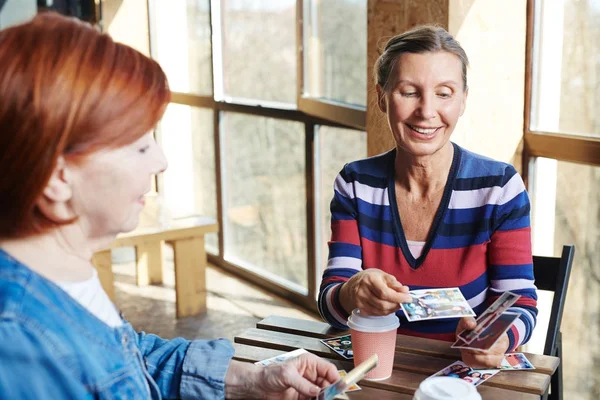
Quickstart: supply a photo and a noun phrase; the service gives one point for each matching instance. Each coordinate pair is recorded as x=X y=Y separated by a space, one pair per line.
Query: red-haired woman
x=77 y=155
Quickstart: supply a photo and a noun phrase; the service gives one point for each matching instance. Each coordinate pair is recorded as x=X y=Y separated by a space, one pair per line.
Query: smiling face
x=109 y=186
x=426 y=96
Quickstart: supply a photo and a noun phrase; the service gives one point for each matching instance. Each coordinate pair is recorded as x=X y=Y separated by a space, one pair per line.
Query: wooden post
x=190 y=276
x=102 y=261
x=149 y=261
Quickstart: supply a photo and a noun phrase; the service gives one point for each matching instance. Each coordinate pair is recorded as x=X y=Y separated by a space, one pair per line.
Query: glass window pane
x=182 y=44
x=265 y=196
x=259 y=49
x=568 y=196
x=566 y=65
x=189 y=182
x=335 y=34
x=336 y=147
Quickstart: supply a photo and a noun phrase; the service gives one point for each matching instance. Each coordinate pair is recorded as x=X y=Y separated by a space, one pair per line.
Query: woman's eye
x=444 y=95
x=409 y=94
x=144 y=149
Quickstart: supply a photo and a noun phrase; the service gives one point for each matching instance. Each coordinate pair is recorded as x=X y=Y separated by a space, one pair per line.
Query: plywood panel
x=387 y=18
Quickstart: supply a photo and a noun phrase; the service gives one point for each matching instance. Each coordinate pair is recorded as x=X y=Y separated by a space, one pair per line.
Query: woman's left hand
x=482 y=359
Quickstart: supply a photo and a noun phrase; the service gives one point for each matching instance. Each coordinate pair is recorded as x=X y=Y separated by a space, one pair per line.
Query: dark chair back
x=552 y=274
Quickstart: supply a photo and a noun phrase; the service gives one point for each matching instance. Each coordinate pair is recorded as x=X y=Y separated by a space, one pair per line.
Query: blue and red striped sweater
x=480 y=240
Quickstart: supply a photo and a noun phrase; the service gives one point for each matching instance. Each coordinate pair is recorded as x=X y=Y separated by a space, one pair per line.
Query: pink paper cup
x=374 y=335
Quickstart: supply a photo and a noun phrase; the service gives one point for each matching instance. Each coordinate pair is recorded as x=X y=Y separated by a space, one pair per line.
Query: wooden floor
x=233 y=305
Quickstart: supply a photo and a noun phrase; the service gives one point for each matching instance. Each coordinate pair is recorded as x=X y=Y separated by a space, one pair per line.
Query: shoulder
x=478 y=172
x=369 y=171
x=24 y=311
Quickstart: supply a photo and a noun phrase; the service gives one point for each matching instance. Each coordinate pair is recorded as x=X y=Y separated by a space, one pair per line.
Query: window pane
x=259 y=49
x=572 y=216
x=566 y=65
x=336 y=148
x=182 y=44
x=189 y=181
x=335 y=64
x=265 y=196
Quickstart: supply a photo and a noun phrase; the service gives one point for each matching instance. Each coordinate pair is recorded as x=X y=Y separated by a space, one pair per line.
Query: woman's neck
x=423 y=176
x=61 y=255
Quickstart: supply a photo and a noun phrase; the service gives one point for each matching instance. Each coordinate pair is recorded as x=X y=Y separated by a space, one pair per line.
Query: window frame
x=311 y=112
x=559 y=146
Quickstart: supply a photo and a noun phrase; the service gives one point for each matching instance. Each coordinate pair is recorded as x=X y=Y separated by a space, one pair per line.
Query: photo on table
x=460 y=370
x=489 y=336
x=435 y=304
x=342 y=345
x=478 y=376
x=352 y=388
x=491 y=314
x=516 y=361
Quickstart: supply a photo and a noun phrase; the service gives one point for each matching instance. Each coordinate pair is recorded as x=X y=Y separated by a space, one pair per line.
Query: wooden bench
x=186 y=235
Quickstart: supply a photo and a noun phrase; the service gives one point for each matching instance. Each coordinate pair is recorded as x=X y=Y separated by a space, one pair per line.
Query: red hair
x=65 y=89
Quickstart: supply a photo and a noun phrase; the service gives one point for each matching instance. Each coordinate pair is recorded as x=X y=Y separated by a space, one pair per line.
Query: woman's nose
x=427 y=107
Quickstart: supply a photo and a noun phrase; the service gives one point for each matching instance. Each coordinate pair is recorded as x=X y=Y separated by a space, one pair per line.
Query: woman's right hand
x=374 y=292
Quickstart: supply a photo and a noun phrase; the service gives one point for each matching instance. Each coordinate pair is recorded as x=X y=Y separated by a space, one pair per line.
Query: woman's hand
x=298 y=378
x=374 y=292
x=481 y=359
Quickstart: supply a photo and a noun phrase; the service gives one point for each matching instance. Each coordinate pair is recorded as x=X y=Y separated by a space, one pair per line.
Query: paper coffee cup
x=374 y=335
x=446 y=388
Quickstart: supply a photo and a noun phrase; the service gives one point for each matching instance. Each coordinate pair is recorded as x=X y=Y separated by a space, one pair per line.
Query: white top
x=416 y=248
x=92 y=296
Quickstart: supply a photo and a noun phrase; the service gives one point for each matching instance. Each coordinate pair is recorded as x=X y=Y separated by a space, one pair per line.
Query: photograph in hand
x=490 y=315
x=435 y=304
x=489 y=336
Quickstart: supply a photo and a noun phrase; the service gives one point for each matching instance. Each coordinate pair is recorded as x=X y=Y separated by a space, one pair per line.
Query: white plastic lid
x=446 y=388
x=368 y=323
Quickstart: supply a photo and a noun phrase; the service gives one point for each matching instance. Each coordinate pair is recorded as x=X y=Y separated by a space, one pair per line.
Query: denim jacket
x=51 y=347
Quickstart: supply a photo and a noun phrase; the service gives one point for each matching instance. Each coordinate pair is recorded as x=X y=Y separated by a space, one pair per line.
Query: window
x=259 y=49
x=562 y=165
x=247 y=142
x=181 y=38
x=189 y=183
x=333 y=76
x=336 y=147
x=265 y=196
x=335 y=64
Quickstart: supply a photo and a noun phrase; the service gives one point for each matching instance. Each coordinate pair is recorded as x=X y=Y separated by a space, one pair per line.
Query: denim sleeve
x=187 y=369
x=30 y=370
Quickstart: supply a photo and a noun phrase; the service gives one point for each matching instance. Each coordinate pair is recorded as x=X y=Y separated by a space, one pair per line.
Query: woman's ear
x=381 y=103
x=55 y=198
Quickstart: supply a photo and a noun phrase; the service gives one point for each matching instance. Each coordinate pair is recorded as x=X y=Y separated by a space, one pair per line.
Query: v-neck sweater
x=480 y=240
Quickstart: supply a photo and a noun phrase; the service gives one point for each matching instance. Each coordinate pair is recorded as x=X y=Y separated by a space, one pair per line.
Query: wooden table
x=186 y=235
x=415 y=360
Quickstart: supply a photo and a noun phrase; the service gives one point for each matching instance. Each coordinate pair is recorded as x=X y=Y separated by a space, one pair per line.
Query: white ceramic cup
x=446 y=388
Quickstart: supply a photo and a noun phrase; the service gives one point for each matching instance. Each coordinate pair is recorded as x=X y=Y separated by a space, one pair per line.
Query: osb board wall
x=493 y=35
x=387 y=18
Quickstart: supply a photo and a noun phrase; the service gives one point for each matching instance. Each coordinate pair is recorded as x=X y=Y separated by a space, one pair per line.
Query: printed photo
x=489 y=316
x=516 y=361
x=281 y=358
x=435 y=304
x=489 y=336
x=478 y=376
x=341 y=345
x=352 y=388
x=462 y=371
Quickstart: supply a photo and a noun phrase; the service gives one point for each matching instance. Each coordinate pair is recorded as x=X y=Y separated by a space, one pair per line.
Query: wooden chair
x=552 y=274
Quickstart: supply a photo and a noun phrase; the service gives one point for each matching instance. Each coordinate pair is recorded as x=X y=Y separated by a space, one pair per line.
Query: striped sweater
x=479 y=242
